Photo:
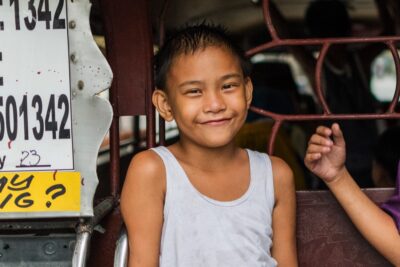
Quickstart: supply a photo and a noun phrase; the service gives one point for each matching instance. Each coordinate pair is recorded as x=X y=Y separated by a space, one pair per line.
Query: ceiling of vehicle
x=243 y=18
x=240 y=15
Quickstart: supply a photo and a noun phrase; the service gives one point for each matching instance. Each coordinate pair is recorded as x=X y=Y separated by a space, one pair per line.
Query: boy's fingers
x=320 y=140
x=312 y=157
x=313 y=148
x=337 y=135
x=324 y=131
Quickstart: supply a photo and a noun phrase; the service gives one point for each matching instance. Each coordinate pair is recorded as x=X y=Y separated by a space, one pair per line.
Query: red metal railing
x=326 y=43
x=279 y=119
x=124 y=21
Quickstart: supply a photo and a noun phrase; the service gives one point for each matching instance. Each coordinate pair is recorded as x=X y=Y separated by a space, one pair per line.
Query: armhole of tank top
x=163 y=156
x=269 y=182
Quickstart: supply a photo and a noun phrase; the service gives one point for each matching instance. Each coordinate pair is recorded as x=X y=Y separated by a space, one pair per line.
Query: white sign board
x=35 y=95
x=51 y=74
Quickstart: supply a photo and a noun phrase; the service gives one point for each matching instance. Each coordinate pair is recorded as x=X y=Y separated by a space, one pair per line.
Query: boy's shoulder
x=146 y=165
x=283 y=175
x=148 y=157
x=280 y=167
x=144 y=188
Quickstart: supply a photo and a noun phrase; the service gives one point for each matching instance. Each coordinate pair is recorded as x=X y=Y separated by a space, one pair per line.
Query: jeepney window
x=383 y=78
x=303 y=85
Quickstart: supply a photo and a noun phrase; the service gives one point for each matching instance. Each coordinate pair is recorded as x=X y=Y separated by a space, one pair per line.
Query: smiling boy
x=203 y=201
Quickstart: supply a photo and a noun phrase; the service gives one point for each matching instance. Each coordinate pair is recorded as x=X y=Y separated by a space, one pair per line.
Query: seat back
x=327 y=237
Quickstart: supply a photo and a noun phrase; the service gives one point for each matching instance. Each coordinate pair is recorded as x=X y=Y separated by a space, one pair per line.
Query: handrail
x=85 y=229
x=81 y=249
x=121 y=250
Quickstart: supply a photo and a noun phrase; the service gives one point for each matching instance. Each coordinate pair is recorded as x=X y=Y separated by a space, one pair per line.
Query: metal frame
x=121 y=252
x=326 y=44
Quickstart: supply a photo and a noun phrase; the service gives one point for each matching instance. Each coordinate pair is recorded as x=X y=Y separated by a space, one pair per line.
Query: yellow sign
x=40 y=191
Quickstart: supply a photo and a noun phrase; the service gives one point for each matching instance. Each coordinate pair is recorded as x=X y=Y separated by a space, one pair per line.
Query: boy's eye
x=229 y=86
x=193 y=92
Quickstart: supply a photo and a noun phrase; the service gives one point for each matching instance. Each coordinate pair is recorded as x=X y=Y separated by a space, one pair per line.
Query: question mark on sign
x=60 y=190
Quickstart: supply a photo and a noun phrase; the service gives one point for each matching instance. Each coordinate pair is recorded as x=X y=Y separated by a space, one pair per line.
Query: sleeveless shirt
x=200 y=231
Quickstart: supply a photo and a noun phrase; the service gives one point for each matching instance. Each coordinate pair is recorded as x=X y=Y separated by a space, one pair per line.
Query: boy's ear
x=160 y=101
x=249 y=91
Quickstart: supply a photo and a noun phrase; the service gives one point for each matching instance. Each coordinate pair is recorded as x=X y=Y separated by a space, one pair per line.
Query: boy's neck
x=204 y=157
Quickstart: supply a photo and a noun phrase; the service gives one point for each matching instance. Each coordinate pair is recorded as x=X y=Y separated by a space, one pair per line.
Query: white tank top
x=200 y=231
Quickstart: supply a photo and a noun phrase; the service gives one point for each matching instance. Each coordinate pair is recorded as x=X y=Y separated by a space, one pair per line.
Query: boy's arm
x=284 y=215
x=325 y=158
x=372 y=222
x=142 y=203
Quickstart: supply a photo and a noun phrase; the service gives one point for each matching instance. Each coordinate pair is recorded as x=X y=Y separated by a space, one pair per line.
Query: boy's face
x=207 y=96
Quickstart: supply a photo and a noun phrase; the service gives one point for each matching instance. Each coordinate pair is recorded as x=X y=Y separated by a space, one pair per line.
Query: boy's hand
x=326 y=153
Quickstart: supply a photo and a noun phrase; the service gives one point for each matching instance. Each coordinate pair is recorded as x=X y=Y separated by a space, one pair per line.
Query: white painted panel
x=45 y=64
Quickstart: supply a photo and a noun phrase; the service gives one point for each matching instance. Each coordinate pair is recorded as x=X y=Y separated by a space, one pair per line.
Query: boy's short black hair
x=190 y=39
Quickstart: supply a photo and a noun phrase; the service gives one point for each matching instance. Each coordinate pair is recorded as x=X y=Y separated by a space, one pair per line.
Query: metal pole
x=121 y=251
x=81 y=249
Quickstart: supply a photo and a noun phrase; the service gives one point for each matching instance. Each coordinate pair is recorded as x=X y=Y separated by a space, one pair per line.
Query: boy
x=203 y=201
x=325 y=157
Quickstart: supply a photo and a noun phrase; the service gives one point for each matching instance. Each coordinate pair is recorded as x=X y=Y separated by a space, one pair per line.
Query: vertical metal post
x=81 y=249
x=121 y=251
x=161 y=122
x=114 y=157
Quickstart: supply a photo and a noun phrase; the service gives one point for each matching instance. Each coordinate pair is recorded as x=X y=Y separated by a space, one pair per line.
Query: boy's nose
x=214 y=103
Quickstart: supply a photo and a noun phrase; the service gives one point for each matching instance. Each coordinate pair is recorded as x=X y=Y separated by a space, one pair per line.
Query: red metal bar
x=318 y=78
x=325 y=44
x=129 y=44
x=274 y=133
x=161 y=122
x=114 y=158
x=268 y=21
x=129 y=47
x=150 y=123
x=396 y=95
x=315 y=117
x=162 y=21
x=128 y=29
x=136 y=131
x=322 y=41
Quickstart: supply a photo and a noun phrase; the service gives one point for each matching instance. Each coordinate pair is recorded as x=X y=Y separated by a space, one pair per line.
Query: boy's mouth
x=216 y=122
